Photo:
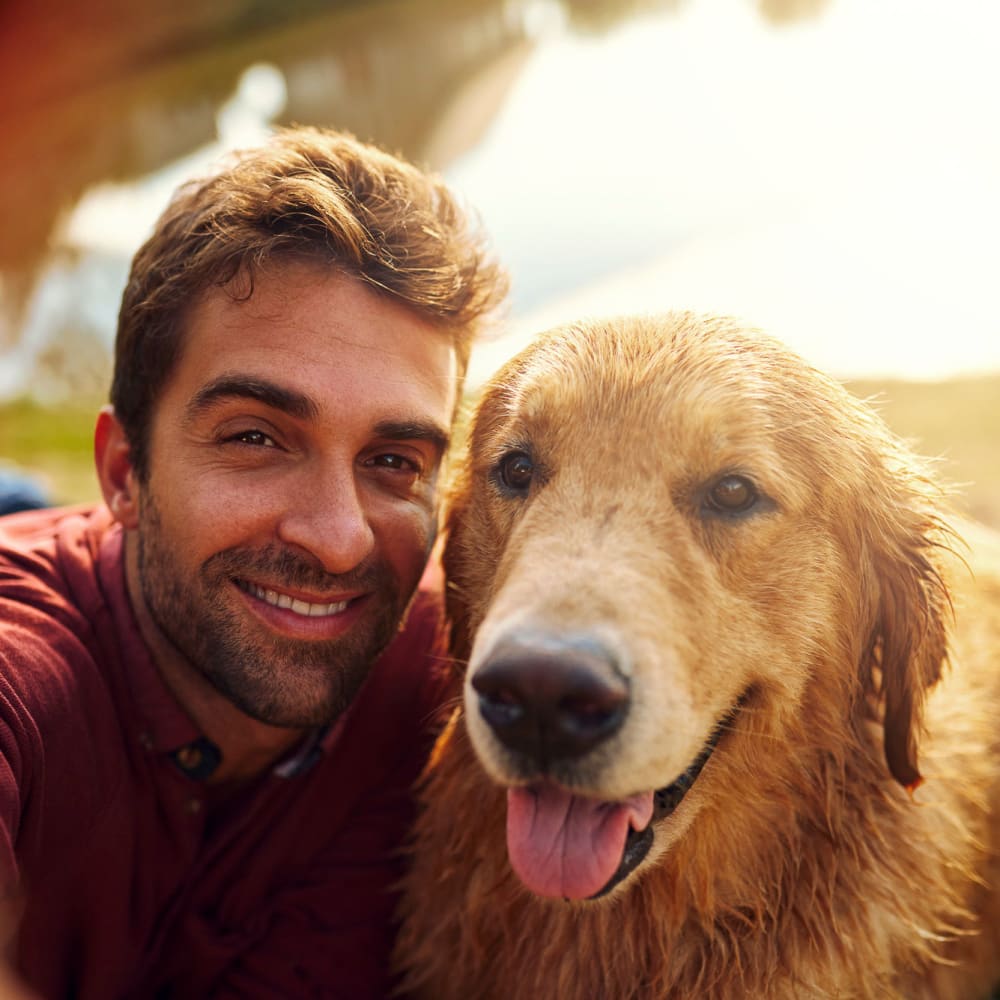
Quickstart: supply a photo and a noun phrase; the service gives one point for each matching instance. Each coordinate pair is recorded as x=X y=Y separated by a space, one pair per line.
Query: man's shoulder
x=28 y=528
x=59 y=723
x=49 y=565
x=38 y=547
x=49 y=594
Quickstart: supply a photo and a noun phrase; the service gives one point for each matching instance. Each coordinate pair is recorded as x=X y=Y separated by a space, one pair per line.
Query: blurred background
x=827 y=169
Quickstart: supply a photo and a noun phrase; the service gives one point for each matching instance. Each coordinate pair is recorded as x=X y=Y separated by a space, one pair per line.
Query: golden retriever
x=732 y=704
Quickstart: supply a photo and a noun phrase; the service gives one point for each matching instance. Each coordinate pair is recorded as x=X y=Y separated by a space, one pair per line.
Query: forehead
x=665 y=403
x=320 y=332
x=638 y=376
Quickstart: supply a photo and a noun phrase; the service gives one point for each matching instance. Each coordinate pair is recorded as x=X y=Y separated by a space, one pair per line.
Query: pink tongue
x=565 y=845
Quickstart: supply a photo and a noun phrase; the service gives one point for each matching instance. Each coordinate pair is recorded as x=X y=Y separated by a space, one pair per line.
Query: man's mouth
x=567 y=846
x=277 y=599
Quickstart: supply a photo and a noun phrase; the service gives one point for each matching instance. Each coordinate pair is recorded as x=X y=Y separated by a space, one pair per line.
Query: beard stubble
x=271 y=678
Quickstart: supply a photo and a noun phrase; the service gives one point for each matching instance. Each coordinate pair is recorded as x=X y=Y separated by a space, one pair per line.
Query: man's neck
x=248 y=747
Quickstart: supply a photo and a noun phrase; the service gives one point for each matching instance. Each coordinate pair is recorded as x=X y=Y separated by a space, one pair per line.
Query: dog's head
x=674 y=545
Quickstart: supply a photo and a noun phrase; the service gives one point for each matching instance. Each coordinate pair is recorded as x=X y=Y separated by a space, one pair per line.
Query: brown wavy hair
x=307 y=194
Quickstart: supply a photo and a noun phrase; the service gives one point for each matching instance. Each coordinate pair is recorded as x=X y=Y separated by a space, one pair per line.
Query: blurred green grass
x=956 y=421
x=54 y=445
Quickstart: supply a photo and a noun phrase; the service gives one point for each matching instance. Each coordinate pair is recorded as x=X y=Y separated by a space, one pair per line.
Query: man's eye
x=254 y=437
x=395 y=462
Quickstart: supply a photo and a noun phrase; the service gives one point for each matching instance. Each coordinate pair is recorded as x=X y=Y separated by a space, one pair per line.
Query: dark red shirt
x=134 y=877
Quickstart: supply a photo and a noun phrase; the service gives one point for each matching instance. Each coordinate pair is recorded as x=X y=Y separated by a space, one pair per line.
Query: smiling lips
x=304 y=608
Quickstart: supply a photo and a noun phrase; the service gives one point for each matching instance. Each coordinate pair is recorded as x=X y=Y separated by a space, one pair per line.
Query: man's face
x=290 y=504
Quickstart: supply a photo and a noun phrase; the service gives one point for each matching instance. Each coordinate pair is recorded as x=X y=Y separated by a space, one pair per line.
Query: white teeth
x=277 y=600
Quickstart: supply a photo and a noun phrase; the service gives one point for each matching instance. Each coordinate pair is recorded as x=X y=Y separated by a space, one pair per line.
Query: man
x=211 y=712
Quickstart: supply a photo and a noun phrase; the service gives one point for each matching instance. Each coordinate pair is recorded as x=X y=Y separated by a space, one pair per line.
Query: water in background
x=827 y=169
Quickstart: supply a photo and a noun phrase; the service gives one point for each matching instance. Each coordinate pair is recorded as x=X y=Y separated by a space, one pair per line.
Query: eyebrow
x=303 y=407
x=414 y=430
x=278 y=397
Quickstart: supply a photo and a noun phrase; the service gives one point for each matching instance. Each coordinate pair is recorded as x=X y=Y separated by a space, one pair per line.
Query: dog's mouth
x=571 y=847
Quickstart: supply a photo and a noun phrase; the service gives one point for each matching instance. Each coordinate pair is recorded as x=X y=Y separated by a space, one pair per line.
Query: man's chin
x=302 y=691
x=297 y=709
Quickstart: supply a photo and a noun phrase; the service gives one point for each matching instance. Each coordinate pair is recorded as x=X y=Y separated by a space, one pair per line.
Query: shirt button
x=198 y=760
x=189 y=757
x=193 y=806
x=146 y=741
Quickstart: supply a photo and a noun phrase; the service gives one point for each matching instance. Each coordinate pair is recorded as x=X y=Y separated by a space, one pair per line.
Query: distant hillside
x=956 y=421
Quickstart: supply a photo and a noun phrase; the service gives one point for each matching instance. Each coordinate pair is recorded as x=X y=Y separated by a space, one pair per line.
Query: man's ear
x=113 y=458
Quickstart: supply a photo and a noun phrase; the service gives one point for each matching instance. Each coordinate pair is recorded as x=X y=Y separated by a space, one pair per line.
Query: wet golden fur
x=808 y=860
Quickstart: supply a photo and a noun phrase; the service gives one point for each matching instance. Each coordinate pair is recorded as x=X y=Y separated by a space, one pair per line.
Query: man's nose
x=326 y=517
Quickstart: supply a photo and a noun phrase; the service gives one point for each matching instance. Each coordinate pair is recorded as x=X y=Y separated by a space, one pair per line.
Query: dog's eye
x=732 y=494
x=515 y=471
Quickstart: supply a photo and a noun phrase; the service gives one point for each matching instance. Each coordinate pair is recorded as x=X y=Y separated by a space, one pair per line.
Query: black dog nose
x=551 y=699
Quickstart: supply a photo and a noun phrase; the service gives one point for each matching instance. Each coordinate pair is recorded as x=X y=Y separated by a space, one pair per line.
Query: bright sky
x=835 y=181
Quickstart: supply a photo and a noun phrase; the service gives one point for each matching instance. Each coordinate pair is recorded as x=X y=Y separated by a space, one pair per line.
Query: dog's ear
x=907 y=647
x=453 y=562
x=466 y=567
